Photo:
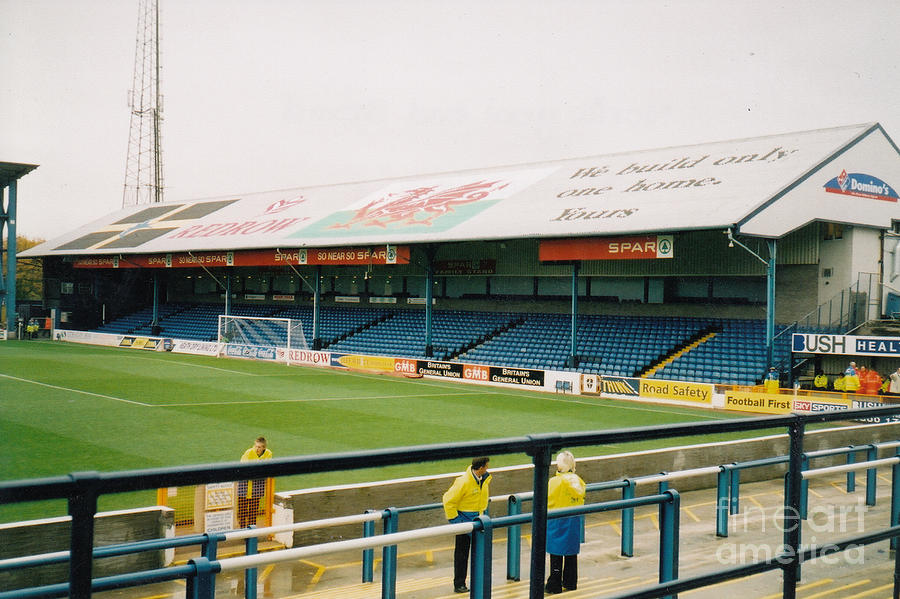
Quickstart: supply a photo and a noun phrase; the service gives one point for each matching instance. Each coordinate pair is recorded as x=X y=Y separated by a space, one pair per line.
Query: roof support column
x=770 y=306
x=227 y=293
x=317 y=292
x=572 y=362
x=770 y=293
x=429 y=294
x=8 y=216
x=154 y=324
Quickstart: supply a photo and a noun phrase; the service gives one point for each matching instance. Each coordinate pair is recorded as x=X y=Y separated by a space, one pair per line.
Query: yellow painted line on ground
x=614 y=523
x=429 y=556
x=870 y=592
x=711 y=586
x=840 y=486
x=320 y=571
x=802 y=587
x=588 y=588
x=511 y=590
x=628 y=583
x=836 y=591
x=266 y=571
x=756 y=502
x=369 y=589
x=816 y=493
x=691 y=514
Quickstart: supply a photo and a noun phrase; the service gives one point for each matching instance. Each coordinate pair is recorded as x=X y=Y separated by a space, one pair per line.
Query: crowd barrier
x=83 y=489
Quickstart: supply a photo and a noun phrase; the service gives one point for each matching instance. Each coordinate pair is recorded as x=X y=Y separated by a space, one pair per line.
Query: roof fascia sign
x=859 y=184
x=349 y=256
x=701 y=186
x=636 y=247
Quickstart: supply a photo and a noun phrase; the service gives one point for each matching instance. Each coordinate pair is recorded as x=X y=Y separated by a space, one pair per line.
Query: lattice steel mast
x=143 y=165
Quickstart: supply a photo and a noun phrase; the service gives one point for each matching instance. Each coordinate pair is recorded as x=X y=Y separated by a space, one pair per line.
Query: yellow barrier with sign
x=696 y=392
x=766 y=403
x=370 y=363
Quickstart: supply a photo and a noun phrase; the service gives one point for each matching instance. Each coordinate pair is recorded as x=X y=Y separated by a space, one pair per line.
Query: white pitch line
x=70 y=390
x=191 y=365
x=355 y=398
x=148 y=358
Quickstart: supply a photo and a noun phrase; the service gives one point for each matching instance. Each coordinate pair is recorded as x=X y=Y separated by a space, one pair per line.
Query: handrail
x=677 y=475
x=286 y=555
x=847 y=467
x=84 y=488
x=728 y=496
x=668 y=567
x=247 y=533
x=58 y=557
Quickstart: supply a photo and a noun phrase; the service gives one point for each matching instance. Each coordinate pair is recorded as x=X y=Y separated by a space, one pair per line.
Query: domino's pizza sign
x=861 y=185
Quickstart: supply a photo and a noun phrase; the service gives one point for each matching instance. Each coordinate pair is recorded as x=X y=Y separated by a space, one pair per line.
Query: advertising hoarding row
x=682 y=392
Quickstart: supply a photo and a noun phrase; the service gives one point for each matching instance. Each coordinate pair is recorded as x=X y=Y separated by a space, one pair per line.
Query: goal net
x=259 y=338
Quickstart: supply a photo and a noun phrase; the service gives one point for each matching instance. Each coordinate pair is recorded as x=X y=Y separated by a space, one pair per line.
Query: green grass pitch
x=66 y=407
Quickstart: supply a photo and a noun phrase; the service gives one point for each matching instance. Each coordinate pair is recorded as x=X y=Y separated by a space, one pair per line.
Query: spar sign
x=852 y=345
x=640 y=247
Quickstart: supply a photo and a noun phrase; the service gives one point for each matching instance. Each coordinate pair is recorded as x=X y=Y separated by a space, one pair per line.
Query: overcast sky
x=272 y=94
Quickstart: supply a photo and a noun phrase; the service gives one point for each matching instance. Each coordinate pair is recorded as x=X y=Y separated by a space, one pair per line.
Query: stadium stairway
x=699 y=339
x=486 y=338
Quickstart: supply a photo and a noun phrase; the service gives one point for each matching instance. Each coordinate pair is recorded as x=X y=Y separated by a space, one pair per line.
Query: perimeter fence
x=82 y=491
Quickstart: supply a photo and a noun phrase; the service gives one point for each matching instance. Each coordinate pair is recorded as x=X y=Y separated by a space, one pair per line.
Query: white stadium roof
x=764 y=186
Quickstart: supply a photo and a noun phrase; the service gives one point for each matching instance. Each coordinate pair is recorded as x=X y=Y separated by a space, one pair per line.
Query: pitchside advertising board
x=850 y=345
x=771 y=403
x=149 y=343
x=482 y=373
x=701 y=393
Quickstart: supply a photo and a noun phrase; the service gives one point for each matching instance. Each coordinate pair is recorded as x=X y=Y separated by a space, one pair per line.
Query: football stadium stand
x=728 y=351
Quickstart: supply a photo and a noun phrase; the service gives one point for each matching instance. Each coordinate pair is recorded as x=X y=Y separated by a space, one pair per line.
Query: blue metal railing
x=728 y=483
x=83 y=489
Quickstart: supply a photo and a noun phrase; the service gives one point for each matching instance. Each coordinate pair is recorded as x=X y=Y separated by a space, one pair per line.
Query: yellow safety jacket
x=254 y=488
x=467 y=494
x=566 y=489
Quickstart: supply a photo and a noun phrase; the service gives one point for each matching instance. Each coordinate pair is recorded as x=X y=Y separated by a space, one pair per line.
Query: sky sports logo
x=862 y=186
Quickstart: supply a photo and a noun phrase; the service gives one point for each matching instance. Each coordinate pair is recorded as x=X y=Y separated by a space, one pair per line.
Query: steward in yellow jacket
x=469 y=493
x=820 y=382
x=564 y=490
x=466 y=499
x=839 y=382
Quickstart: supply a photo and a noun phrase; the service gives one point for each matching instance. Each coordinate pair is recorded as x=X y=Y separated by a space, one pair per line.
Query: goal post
x=259 y=337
